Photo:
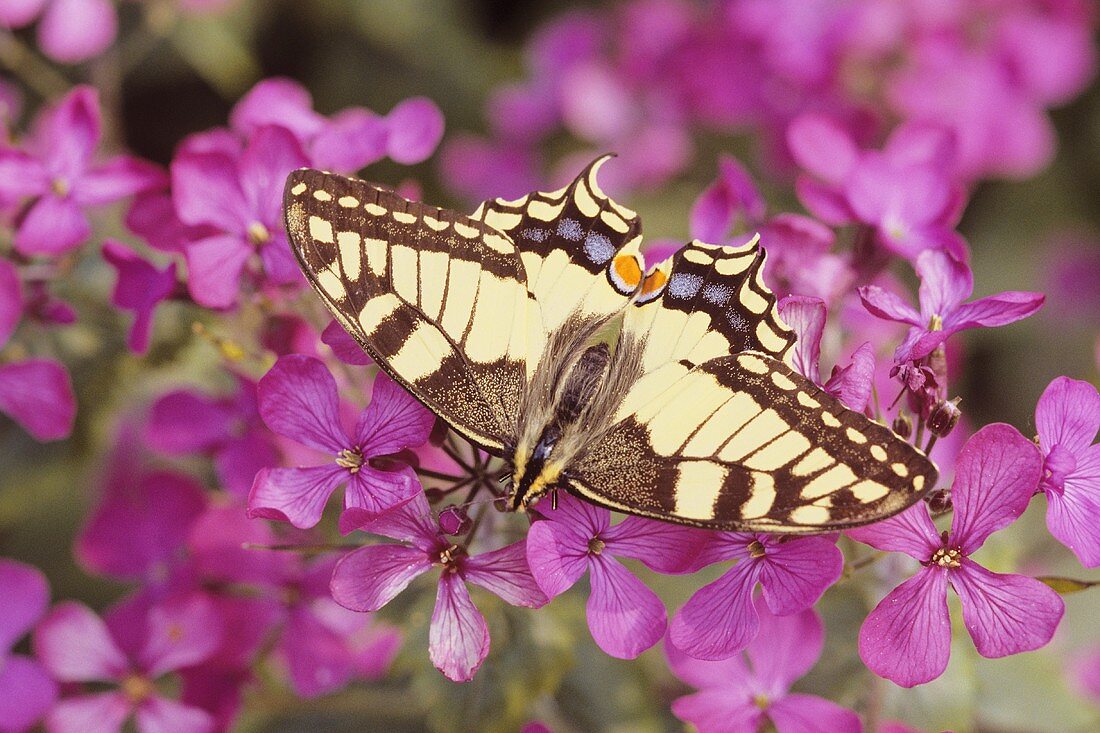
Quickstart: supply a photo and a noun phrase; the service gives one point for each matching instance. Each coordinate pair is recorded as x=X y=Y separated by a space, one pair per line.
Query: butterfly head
x=536 y=471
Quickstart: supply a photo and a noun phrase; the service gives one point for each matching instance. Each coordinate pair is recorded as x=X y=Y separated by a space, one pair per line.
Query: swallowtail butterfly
x=493 y=321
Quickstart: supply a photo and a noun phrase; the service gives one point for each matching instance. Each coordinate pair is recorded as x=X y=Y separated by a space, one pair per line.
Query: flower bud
x=943 y=417
x=903 y=426
x=454 y=521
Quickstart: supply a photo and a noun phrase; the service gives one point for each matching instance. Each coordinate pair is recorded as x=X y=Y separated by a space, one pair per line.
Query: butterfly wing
x=580 y=253
x=745 y=443
x=438 y=299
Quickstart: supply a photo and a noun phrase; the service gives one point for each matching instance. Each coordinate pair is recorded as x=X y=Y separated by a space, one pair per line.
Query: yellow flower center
x=350 y=459
x=137 y=688
x=258 y=233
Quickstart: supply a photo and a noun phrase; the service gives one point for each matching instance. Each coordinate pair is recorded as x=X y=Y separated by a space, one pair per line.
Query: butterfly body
x=497 y=322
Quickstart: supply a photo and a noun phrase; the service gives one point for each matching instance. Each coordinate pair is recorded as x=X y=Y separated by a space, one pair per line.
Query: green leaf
x=1063 y=586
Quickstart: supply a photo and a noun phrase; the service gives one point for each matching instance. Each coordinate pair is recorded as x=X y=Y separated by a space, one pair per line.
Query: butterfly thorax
x=548 y=445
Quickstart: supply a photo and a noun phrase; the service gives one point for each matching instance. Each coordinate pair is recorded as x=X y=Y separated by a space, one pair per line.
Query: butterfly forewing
x=439 y=300
x=745 y=443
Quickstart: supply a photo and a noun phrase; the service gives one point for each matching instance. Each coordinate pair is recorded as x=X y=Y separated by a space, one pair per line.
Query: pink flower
x=69 y=31
x=732 y=196
x=140 y=288
x=624 y=616
x=458 y=641
x=36 y=393
x=228 y=429
x=907 y=638
x=721 y=619
x=299 y=400
x=60 y=179
x=28 y=689
x=743 y=692
x=131 y=651
x=1067 y=418
x=240 y=200
x=351 y=139
x=904 y=192
x=851 y=384
x=945 y=283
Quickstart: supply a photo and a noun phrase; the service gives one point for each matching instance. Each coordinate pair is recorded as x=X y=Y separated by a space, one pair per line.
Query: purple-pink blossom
x=624 y=616
x=130 y=650
x=239 y=199
x=720 y=619
x=57 y=176
x=907 y=637
x=298 y=399
x=69 y=31
x=28 y=688
x=368 y=578
x=1067 y=419
x=946 y=282
x=140 y=287
x=745 y=691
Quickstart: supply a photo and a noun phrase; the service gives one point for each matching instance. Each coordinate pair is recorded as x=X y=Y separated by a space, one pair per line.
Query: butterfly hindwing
x=439 y=300
x=746 y=443
x=579 y=250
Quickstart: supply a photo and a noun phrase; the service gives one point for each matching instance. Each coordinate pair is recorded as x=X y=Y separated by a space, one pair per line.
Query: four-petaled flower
x=132 y=650
x=624 y=616
x=28 y=689
x=140 y=288
x=720 y=619
x=458 y=640
x=907 y=638
x=742 y=692
x=299 y=400
x=1067 y=418
x=945 y=283
x=59 y=178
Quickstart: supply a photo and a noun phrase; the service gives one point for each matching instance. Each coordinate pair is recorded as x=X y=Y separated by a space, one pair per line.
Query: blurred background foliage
x=179 y=75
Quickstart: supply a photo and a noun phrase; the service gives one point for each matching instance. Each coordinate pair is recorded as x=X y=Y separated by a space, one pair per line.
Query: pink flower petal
x=276 y=101
x=852 y=384
x=811 y=714
x=907 y=638
x=1072 y=512
x=371 y=492
x=351 y=140
x=505 y=573
x=161 y=715
x=719 y=620
x=37 y=395
x=184 y=422
x=370 y=577
x=21 y=175
x=66 y=135
x=345 y=348
x=28 y=693
x=139 y=525
x=52 y=227
x=825 y=201
x=26 y=594
x=71 y=31
x=921 y=143
x=240 y=459
x=180 y=634
x=822 y=147
x=945 y=282
x=410 y=522
x=664 y=547
x=11 y=300
x=888 y=306
x=295 y=495
x=393 y=420
x=556 y=559
x=1006 y=614
x=1068 y=414
x=416 y=127
x=717 y=711
x=316 y=658
x=996 y=474
x=18 y=13
x=271 y=155
x=996 y=310
x=102 y=713
x=299 y=400
x=214 y=266
x=794 y=574
x=207 y=190
x=458 y=639
x=786 y=647
x=624 y=616
x=75 y=646
x=806 y=316
x=911 y=532
x=116 y=179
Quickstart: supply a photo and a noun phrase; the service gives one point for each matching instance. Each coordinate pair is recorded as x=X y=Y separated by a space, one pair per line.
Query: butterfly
x=497 y=323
